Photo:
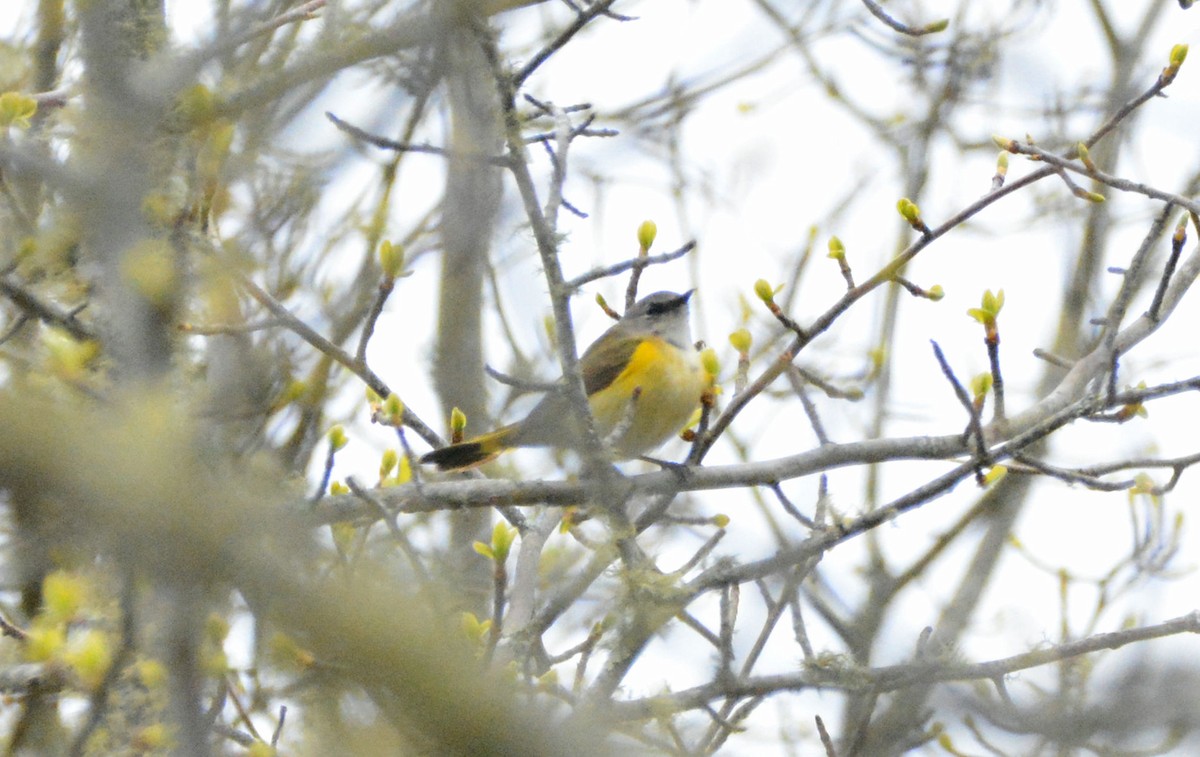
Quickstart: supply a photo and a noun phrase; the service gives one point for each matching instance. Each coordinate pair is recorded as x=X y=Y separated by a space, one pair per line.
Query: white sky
x=779 y=158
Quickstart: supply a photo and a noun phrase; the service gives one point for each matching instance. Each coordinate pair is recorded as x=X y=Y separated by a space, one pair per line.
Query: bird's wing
x=605 y=360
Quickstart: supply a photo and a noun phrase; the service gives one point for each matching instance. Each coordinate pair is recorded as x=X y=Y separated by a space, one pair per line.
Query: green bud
x=196 y=105
x=216 y=628
x=295 y=389
x=337 y=437
x=503 y=536
x=63 y=595
x=981 y=384
x=1178 y=55
x=837 y=250
x=458 y=421
x=343 y=534
x=150 y=673
x=45 y=642
x=150 y=268
x=989 y=308
x=764 y=291
x=993 y=302
x=388 y=462
x=391 y=259
x=16 y=109
x=261 y=749
x=646 y=234
x=877 y=356
x=404 y=472
x=603 y=303
x=1085 y=156
x=69 y=359
x=90 y=657
x=741 y=341
x=908 y=210
x=393 y=407
x=215 y=151
x=472 y=627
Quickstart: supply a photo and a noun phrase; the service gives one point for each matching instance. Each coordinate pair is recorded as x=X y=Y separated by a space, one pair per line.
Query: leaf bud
x=646 y=234
x=741 y=340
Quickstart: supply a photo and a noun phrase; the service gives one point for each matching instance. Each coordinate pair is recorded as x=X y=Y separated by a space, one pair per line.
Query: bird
x=643 y=380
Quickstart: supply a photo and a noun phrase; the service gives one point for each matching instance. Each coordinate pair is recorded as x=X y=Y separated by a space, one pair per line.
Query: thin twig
x=624 y=265
x=1165 y=280
x=100 y=697
x=992 y=340
x=810 y=409
x=826 y=739
x=391 y=144
x=386 y=286
x=310 y=335
x=45 y=312
x=899 y=677
x=823 y=322
x=974 y=425
x=1057 y=163
x=912 y=31
x=283 y=710
x=581 y=20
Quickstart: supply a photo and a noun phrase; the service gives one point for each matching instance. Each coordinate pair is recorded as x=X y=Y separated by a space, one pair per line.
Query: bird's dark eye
x=664 y=305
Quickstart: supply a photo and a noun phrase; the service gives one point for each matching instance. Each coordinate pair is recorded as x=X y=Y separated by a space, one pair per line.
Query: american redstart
x=643 y=381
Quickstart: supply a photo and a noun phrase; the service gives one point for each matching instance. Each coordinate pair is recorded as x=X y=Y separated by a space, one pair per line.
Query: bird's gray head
x=661 y=313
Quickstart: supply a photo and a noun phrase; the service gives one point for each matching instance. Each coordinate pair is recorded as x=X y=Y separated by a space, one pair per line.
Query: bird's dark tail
x=472 y=452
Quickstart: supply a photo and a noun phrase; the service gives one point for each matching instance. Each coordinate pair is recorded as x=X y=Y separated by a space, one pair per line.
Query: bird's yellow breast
x=671 y=382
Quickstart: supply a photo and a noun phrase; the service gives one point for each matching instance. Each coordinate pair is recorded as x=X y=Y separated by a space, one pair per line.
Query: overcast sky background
x=778 y=158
